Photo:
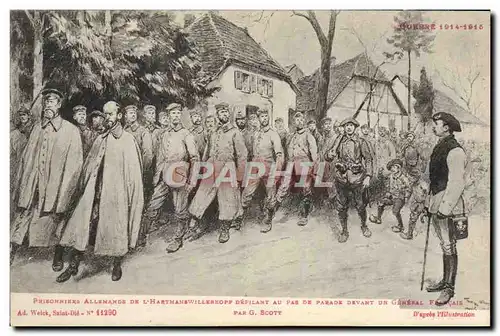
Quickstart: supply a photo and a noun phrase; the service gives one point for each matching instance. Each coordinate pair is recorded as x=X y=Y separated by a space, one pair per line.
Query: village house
x=351 y=83
x=294 y=72
x=248 y=77
x=471 y=125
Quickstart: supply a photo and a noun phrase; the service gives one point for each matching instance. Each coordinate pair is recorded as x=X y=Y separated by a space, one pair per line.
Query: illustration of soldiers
x=302 y=148
x=163 y=126
x=412 y=157
x=386 y=151
x=47 y=176
x=108 y=212
x=312 y=127
x=150 y=118
x=447 y=182
x=398 y=192
x=267 y=149
x=282 y=131
x=96 y=123
x=211 y=125
x=353 y=171
x=198 y=131
x=328 y=140
x=226 y=145
x=80 y=118
x=176 y=146
x=419 y=194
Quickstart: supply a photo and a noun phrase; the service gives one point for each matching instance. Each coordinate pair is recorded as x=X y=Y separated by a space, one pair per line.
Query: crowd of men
x=105 y=183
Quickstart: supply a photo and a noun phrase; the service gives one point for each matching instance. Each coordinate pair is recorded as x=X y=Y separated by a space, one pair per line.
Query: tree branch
x=315 y=24
x=30 y=18
x=331 y=26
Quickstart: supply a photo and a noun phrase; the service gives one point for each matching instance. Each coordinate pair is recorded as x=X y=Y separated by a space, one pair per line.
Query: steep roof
x=340 y=76
x=220 y=43
x=443 y=102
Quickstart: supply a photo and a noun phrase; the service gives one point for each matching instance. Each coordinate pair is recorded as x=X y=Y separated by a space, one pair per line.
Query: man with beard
x=302 y=148
x=386 y=151
x=108 y=212
x=177 y=146
x=210 y=125
x=353 y=170
x=412 y=158
x=80 y=118
x=328 y=139
x=97 y=123
x=163 y=126
x=447 y=183
x=267 y=149
x=226 y=147
x=241 y=122
x=47 y=175
x=199 y=133
x=141 y=135
x=150 y=118
x=312 y=127
x=282 y=132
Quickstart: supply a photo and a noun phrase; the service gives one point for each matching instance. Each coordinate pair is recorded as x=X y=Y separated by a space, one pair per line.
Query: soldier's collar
x=177 y=128
x=226 y=127
x=83 y=127
x=197 y=129
x=300 y=131
x=133 y=126
x=117 y=131
x=56 y=122
x=265 y=129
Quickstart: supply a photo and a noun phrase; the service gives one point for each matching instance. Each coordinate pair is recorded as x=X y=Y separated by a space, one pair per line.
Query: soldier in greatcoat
x=163 y=126
x=80 y=118
x=279 y=123
x=303 y=154
x=46 y=179
x=447 y=182
x=225 y=148
x=198 y=131
x=149 y=112
x=353 y=171
x=108 y=210
x=177 y=146
x=313 y=128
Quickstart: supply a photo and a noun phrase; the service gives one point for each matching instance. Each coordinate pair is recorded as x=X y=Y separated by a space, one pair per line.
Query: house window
x=245 y=82
x=250 y=83
x=392 y=122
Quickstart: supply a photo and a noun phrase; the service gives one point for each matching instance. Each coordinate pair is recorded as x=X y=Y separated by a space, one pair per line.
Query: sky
x=290 y=39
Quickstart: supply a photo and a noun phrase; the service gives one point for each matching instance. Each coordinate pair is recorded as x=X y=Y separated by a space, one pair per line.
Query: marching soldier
x=302 y=148
x=226 y=145
x=199 y=133
x=108 y=212
x=80 y=117
x=47 y=176
x=353 y=170
x=447 y=182
x=150 y=118
x=386 y=151
x=210 y=125
x=328 y=140
x=141 y=135
x=163 y=126
x=282 y=131
x=267 y=150
x=412 y=157
x=176 y=146
x=312 y=127
x=97 y=123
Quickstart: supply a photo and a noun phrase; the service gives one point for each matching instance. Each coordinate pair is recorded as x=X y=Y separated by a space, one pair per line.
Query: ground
x=289 y=261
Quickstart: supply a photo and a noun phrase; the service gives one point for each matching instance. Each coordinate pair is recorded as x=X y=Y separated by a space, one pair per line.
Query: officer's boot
x=449 y=290
x=441 y=284
x=344 y=234
x=13 y=250
x=267 y=223
x=306 y=209
x=411 y=226
x=378 y=218
x=224 y=231
x=178 y=240
x=116 y=274
x=72 y=270
x=57 y=262
x=364 y=228
x=399 y=227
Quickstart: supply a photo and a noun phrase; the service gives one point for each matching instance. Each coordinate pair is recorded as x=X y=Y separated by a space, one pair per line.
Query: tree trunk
x=323 y=82
x=409 y=90
x=369 y=104
x=15 y=90
x=37 y=68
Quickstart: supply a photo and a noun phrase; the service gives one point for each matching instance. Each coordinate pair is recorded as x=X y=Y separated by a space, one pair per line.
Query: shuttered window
x=253 y=83
x=238 y=80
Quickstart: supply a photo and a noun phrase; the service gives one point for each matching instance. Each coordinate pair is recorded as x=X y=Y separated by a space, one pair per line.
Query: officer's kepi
x=448 y=119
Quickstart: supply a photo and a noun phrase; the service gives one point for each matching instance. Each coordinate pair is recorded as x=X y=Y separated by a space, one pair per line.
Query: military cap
x=448 y=119
x=349 y=121
x=149 y=107
x=393 y=162
x=130 y=108
x=310 y=122
x=364 y=126
x=259 y=112
x=252 y=116
x=195 y=111
x=23 y=110
x=174 y=106
x=55 y=92
x=279 y=119
x=162 y=112
x=79 y=108
x=298 y=114
x=222 y=106
x=325 y=119
x=239 y=115
x=97 y=113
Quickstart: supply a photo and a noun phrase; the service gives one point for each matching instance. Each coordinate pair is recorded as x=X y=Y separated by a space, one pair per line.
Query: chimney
x=188 y=19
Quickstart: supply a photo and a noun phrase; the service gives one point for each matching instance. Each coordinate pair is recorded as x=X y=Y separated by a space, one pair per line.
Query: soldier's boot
x=72 y=269
x=441 y=284
x=364 y=228
x=306 y=209
x=238 y=221
x=399 y=227
x=449 y=290
x=268 y=221
x=344 y=234
x=409 y=234
x=378 y=218
x=57 y=262
x=178 y=240
x=224 y=231
x=13 y=250
x=116 y=274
